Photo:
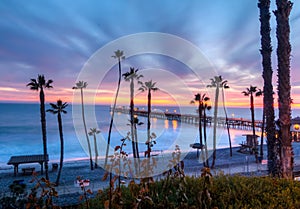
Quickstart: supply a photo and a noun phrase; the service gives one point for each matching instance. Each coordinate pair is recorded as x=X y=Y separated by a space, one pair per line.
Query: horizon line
x=297 y=106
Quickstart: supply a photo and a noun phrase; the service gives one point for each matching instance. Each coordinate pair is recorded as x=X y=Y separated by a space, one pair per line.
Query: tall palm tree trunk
x=113 y=113
x=226 y=121
x=215 y=126
x=96 y=151
x=61 y=147
x=85 y=130
x=282 y=13
x=252 y=114
x=149 y=121
x=253 y=125
x=132 y=119
x=44 y=133
x=268 y=100
x=136 y=143
x=200 y=108
x=262 y=135
x=205 y=137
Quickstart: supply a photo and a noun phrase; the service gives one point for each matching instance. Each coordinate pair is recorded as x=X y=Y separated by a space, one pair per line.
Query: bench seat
x=28 y=170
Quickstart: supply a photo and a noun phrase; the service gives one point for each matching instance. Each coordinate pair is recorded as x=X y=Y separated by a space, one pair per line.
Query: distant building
x=295 y=128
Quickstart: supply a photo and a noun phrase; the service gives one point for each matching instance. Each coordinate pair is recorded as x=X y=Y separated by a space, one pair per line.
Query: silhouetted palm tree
x=148 y=86
x=59 y=108
x=93 y=132
x=216 y=82
x=282 y=14
x=201 y=99
x=266 y=52
x=82 y=85
x=118 y=55
x=262 y=134
x=250 y=92
x=39 y=84
x=225 y=86
x=130 y=77
x=206 y=106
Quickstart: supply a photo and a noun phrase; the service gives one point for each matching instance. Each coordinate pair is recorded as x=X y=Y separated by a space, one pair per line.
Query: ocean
x=20 y=131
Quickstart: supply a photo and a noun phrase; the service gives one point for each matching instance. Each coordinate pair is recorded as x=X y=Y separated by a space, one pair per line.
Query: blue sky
x=57 y=37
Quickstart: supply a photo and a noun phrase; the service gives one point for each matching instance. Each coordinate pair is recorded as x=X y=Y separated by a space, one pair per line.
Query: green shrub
x=225 y=192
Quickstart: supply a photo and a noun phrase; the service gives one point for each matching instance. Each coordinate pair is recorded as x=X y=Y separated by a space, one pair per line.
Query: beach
x=69 y=191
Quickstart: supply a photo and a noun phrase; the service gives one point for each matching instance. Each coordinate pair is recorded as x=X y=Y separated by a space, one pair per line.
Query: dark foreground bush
x=220 y=192
x=185 y=193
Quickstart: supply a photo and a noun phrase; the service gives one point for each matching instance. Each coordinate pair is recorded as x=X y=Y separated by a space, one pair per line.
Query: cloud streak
x=57 y=38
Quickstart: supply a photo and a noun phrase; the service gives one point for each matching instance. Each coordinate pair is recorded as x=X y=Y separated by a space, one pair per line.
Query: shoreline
x=69 y=192
x=4 y=168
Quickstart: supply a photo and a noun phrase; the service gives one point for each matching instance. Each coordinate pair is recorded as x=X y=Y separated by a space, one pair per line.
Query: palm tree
x=39 y=84
x=118 y=55
x=205 y=107
x=268 y=100
x=148 y=86
x=82 y=85
x=262 y=135
x=282 y=14
x=225 y=86
x=216 y=82
x=93 y=132
x=249 y=92
x=59 y=108
x=130 y=77
x=201 y=99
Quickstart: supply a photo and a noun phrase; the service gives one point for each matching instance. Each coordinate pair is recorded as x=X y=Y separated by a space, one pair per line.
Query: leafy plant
x=86 y=192
x=16 y=198
x=42 y=194
x=119 y=158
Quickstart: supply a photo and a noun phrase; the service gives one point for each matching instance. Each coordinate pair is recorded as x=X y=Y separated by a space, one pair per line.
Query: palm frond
x=206 y=99
x=48 y=84
x=54 y=106
x=36 y=87
x=52 y=111
x=80 y=85
x=246 y=93
x=41 y=80
x=65 y=104
x=141 y=89
x=259 y=93
x=33 y=84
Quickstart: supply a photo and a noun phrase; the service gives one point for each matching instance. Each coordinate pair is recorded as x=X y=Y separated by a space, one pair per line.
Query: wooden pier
x=236 y=123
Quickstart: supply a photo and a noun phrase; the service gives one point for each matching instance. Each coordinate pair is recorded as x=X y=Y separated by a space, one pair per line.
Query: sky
x=57 y=38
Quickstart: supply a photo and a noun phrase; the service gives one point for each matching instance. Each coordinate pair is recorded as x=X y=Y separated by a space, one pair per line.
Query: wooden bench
x=28 y=170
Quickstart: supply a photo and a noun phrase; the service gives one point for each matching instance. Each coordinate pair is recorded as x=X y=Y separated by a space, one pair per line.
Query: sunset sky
x=56 y=38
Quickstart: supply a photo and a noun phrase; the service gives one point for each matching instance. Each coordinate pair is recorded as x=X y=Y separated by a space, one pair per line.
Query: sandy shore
x=69 y=191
